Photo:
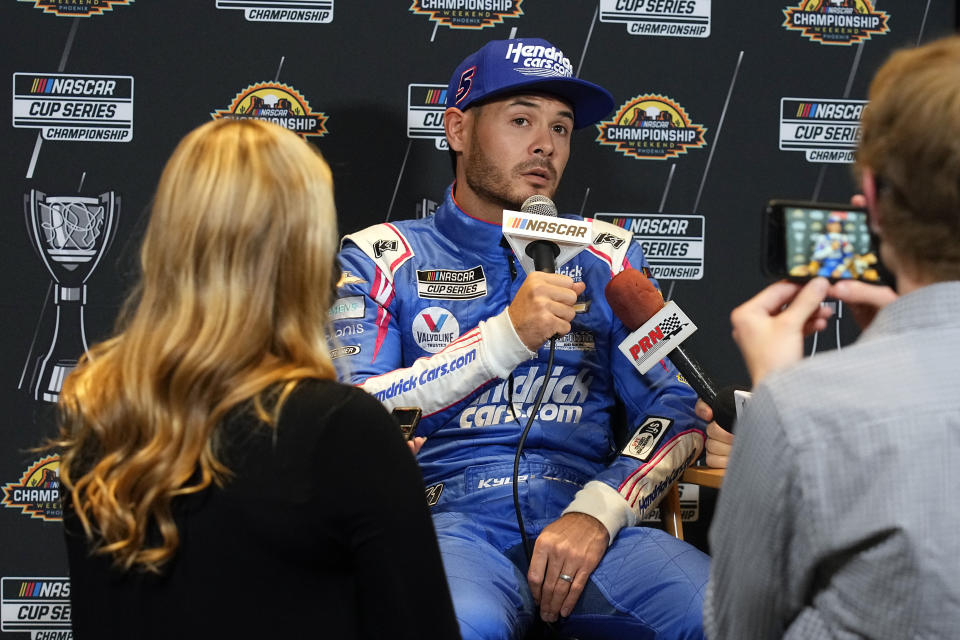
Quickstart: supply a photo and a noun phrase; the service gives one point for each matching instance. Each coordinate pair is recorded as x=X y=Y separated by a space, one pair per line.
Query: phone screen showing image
x=829 y=242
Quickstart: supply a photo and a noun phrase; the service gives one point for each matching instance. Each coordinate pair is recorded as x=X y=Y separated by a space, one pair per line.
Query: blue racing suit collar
x=466 y=231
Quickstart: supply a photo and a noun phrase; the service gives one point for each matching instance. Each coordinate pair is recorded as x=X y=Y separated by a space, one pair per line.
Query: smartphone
x=407 y=418
x=809 y=239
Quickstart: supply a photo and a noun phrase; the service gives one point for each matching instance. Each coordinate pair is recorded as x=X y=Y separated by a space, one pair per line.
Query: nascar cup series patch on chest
x=452 y=284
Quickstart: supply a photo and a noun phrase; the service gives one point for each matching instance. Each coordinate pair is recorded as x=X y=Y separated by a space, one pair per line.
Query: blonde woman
x=210 y=458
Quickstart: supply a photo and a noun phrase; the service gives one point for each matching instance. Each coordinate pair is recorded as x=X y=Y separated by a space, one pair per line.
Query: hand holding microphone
x=544 y=305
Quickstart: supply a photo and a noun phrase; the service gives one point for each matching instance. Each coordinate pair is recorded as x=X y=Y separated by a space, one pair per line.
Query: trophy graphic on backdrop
x=71 y=234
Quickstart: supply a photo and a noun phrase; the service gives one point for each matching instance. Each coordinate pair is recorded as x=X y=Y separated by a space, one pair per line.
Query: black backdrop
x=188 y=59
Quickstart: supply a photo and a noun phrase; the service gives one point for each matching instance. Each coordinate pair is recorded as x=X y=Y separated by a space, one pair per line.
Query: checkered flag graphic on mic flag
x=671 y=325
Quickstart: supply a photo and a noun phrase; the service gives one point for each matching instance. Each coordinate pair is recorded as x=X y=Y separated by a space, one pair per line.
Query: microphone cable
x=523 y=438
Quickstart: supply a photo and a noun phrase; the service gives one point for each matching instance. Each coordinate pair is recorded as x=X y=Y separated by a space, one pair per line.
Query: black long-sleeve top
x=322 y=531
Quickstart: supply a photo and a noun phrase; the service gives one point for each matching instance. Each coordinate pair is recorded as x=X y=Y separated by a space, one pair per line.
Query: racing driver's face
x=517 y=146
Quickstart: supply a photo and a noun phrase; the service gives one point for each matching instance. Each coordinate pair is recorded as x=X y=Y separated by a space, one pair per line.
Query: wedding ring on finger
x=566 y=578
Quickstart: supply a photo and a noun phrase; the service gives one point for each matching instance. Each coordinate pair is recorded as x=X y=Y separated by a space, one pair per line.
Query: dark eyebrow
x=523 y=102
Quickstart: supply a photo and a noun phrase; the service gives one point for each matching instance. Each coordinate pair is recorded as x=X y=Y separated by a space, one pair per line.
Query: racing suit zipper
x=513 y=277
x=508 y=254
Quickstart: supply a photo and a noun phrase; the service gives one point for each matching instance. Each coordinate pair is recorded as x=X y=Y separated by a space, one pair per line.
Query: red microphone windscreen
x=633 y=298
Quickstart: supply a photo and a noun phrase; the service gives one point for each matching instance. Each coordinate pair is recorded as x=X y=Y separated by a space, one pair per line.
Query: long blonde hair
x=237 y=264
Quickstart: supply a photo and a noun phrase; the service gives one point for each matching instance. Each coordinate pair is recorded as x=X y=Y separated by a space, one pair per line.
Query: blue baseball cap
x=503 y=67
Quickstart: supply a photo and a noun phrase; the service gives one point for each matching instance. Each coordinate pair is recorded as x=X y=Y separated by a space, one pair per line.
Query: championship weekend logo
x=842 y=22
x=315 y=11
x=825 y=130
x=672 y=244
x=678 y=18
x=277 y=103
x=434 y=328
x=37 y=493
x=425 y=106
x=467 y=14
x=651 y=127
x=39 y=606
x=74 y=107
x=77 y=8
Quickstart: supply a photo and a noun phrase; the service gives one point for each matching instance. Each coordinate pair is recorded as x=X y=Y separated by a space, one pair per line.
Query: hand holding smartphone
x=407 y=418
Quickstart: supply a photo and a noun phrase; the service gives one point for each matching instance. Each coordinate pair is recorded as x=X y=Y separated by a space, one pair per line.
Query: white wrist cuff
x=503 y=347
x=605 y=504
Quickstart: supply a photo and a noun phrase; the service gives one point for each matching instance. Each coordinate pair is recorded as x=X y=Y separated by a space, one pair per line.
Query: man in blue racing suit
x=438 y=313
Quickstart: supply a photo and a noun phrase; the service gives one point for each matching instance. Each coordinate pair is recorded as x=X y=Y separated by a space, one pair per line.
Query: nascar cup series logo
x=452 y=284
x=277 y=103
x=37 y=493
x=39 y=606
x=74 y=107
x=77 y=8
x=825 y=130
x=842 y=22
x=678 y=18
x=672 y=244
x=434 y=328
x=467 y=14
x=315 y=11
x=651 y=127
x=425 y=106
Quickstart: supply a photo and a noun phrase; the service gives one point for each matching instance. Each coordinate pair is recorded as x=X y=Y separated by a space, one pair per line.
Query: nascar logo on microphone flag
x=520 y=229
x=660 y=335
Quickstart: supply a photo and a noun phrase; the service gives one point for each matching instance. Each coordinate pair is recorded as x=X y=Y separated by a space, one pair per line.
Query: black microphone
x=543 y=252
x=634 y=300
